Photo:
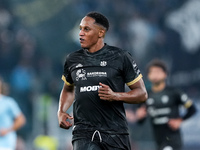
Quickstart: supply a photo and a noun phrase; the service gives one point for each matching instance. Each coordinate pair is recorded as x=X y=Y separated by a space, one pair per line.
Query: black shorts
x=101 y=141
x=167 y=138
x=171 y=143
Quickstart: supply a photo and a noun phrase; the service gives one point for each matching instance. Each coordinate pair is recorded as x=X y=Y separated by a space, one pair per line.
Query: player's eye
x=86 y=29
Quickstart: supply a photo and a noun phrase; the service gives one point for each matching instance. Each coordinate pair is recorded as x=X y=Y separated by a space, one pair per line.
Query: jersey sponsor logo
x=80 y=74
x=89 y=88
x=158 y=111
x=97 y=74
x=103 y=63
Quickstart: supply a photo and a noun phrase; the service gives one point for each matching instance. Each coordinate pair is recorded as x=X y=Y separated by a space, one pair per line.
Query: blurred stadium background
x=36 y=35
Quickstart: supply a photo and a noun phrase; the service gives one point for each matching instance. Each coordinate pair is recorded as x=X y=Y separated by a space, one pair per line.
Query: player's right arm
x=141 y=112
x=65 y=101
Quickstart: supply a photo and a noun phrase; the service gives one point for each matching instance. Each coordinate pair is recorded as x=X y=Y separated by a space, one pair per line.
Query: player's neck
x=99 y=45
x=159 y=87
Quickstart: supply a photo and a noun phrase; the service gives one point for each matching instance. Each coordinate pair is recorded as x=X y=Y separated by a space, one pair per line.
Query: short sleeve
x=130 y=70
x=66 y=77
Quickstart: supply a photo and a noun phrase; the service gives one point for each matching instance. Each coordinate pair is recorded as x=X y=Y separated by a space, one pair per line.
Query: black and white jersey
x=111 y=66
x=161 y=107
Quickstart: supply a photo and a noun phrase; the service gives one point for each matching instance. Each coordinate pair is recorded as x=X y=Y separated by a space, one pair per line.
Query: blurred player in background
x=162 y=106
x=11 y=119
x=96 y=76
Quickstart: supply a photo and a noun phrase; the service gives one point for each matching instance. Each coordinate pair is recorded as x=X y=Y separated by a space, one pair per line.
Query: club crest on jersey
x=164 y=99
x=103 y=63
x=80 y=74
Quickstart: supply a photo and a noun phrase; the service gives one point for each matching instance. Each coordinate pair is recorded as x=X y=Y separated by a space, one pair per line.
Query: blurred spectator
x=22 y=76
x=11 y=119
x=21 y=83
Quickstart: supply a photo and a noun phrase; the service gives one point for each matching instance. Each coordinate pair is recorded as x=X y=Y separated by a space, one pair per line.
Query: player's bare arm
x=141 y=112
x=19 y=121
x=137 y=94
x=175 y=123
x=66 y=100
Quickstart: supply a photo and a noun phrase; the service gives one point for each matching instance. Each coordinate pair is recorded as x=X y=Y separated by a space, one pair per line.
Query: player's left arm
x=19 y=121
x=137 y=94
x=190 y=111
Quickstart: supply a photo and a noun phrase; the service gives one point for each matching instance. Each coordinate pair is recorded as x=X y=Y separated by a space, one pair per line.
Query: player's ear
x=101 y=33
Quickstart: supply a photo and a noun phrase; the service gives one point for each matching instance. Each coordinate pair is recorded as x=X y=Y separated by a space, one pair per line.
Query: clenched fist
x=63 y=120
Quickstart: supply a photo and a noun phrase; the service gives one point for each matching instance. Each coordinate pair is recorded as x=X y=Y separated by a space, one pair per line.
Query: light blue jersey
x=9 y=110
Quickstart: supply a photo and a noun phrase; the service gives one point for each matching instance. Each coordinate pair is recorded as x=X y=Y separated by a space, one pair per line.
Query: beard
x=157 y=83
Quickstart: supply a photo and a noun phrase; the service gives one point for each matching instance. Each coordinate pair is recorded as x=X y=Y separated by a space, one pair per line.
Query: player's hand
x=175 y=124
x=3 y=132
x=105 y=92
x=141 y=113
x=63 y=120
x=130 y=115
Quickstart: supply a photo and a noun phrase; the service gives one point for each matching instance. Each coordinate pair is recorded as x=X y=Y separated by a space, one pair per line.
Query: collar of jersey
x=97 y=52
